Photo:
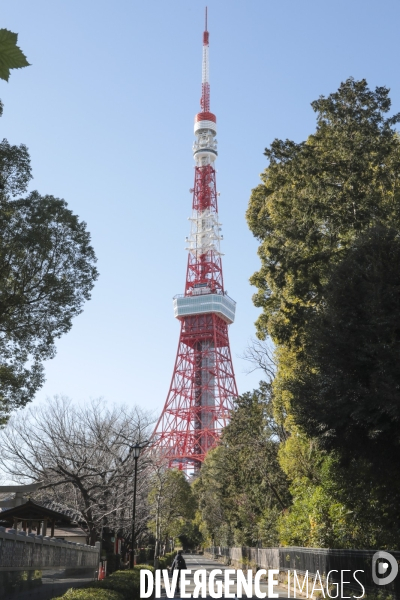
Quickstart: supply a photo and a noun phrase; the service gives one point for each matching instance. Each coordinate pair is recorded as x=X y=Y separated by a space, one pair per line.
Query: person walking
x=179 y=564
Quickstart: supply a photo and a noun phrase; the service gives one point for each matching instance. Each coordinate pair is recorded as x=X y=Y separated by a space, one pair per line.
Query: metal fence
x=20 y=551
x=325 y=560
x=312 y=560
x=263 y=558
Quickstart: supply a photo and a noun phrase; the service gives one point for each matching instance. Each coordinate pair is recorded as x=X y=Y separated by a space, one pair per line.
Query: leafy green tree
x=346 y=385
x=190 y=535
x=208 y=490
x=11 y=56
x=171 y=503
x=326 y=214
x=46 y=265
x=241 y=482
x=47 y=270
x=334 y=505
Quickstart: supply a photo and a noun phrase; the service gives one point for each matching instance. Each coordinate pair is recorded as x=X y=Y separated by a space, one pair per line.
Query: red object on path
x=203 y=384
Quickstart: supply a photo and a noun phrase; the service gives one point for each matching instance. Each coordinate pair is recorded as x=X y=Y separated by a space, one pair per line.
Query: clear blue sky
x=107 y=110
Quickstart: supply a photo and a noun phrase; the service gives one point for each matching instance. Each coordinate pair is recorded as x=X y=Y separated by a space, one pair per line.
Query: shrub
x=90 y=594
x=121 y=585
x=126 y=583
x=167 y=560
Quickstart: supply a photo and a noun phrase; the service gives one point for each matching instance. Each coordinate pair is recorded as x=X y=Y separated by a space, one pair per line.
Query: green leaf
x=11 y=56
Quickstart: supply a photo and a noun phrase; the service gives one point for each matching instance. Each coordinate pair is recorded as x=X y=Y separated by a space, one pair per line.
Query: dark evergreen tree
x=315 y=200
x=327 y=215
x=346 y=387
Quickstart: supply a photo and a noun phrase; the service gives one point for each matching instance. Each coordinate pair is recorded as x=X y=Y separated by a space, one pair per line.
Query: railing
x=20 y=552
x=312 y=560
x=200 y=295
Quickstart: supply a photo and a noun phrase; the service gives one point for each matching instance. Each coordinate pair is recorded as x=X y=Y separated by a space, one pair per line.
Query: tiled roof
x=69 y=512
x=32 y=510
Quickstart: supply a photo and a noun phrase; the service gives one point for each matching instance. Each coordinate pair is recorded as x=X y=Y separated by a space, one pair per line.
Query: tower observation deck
x=203 y=384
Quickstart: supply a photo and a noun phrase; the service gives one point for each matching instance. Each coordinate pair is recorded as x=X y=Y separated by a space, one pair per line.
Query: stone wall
x=20 y=551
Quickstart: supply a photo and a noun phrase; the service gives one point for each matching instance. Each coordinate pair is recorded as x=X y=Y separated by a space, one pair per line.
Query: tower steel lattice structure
x=203 y=383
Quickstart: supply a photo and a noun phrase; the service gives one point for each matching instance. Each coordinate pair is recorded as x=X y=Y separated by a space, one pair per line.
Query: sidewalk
x=195 y=562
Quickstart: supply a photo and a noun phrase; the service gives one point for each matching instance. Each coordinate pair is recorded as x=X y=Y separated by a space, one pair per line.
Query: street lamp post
x=136 y=453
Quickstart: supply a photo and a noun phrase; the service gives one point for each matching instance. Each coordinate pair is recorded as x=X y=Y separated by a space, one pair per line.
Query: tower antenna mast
x=203 y=385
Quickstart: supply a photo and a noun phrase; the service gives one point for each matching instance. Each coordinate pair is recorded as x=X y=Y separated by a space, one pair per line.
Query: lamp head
x=136 y=450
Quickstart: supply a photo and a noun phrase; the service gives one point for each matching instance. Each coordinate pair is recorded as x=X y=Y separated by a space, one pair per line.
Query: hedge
x=90 y=594
x=121 y=585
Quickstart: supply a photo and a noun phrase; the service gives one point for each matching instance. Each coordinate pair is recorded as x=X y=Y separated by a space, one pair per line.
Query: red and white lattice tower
x=203 y=383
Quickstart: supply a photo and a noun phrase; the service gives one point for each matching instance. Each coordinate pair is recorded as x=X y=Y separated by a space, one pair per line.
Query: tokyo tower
x=203 y=384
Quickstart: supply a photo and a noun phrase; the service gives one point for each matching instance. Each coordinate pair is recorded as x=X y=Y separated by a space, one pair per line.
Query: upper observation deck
x=202 y=302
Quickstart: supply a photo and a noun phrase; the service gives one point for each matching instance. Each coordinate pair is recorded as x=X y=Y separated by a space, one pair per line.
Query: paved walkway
x=194 y=562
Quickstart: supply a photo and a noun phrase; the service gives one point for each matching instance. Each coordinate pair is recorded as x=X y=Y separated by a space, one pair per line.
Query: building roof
x=32 y=511
x=73 y=514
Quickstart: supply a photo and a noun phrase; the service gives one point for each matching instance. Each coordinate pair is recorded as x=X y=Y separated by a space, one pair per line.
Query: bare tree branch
x=260 y=354
x=83 y=456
